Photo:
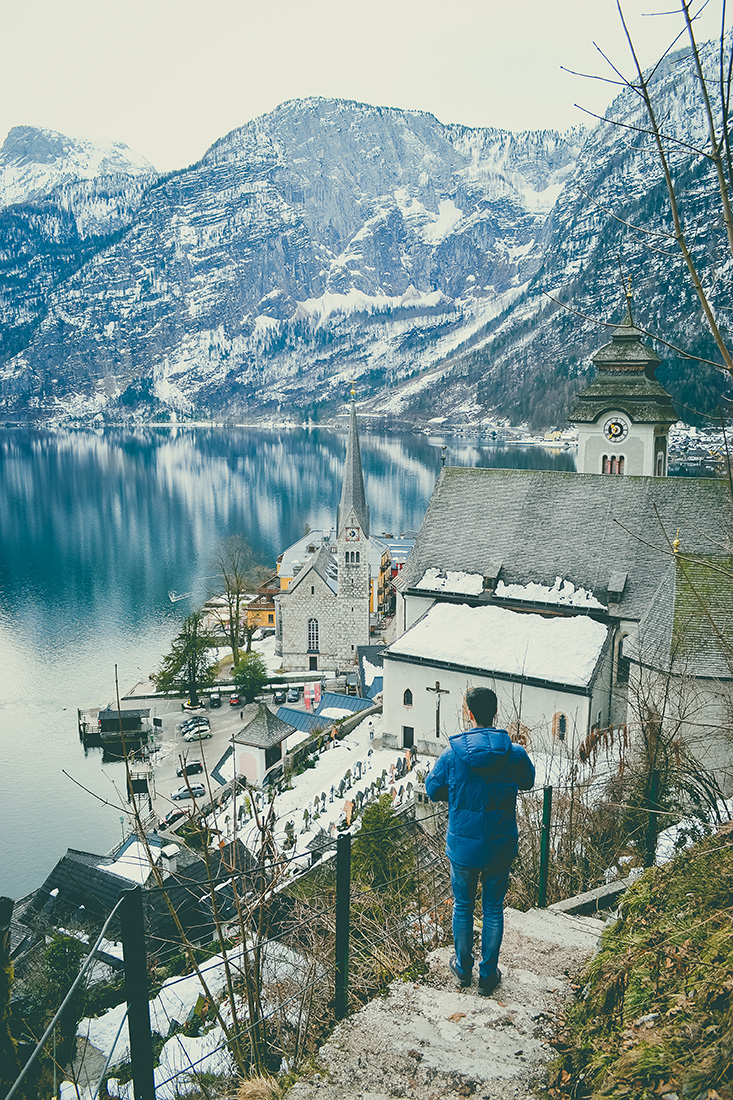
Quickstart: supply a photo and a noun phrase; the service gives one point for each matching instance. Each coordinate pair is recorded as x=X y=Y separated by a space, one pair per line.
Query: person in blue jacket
x=478 y=775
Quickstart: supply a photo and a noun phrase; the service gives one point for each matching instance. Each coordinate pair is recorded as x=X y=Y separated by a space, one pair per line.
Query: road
x=172 y=750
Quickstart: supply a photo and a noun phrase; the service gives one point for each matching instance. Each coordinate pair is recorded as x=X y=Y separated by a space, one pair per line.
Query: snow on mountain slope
x=34 y=162
x=324 y=239
x=329 y=240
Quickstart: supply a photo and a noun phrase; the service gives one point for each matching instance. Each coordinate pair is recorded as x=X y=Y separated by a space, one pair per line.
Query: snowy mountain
x=537 y=356
x=329 y=240
x=34 y=163
x=323 y=239
x=61 y=201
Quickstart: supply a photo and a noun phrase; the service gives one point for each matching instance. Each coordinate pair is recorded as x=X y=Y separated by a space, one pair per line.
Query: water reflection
x=97 y=527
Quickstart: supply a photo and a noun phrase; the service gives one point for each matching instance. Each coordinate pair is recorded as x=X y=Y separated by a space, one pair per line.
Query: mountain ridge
x=329 y=239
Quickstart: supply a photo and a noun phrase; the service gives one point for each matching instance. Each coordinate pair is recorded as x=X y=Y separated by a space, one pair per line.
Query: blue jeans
x=464 y=883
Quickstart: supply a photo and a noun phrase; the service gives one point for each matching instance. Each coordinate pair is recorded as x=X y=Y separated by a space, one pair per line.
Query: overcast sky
x=169 y=77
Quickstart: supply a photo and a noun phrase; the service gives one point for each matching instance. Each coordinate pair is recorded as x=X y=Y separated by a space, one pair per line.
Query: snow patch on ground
x=684 y=833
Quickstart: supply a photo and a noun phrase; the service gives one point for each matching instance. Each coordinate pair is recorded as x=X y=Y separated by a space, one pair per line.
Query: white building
x=624 y=416
x=550 y=675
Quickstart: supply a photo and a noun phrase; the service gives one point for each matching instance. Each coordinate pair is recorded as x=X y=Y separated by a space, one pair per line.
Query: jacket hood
x=486 y=750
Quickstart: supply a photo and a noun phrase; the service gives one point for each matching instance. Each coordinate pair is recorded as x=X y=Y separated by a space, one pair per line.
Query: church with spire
x=332 y=582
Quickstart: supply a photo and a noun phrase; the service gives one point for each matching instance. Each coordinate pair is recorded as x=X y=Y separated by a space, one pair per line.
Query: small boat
x=174 y=597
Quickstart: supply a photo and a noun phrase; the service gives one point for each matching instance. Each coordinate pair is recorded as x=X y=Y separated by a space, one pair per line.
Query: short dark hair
x=482 y=704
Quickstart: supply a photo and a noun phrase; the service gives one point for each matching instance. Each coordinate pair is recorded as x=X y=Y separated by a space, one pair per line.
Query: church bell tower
x=623 y=417
x=352 y=548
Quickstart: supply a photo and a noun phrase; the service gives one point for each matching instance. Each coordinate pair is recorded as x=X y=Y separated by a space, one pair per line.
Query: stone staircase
x=428 y=1040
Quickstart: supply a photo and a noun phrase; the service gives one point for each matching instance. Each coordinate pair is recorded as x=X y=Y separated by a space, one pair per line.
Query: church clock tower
x=623 y=417
x=352 y=549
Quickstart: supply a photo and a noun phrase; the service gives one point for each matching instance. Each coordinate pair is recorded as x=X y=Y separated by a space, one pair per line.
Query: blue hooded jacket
x=479 y=775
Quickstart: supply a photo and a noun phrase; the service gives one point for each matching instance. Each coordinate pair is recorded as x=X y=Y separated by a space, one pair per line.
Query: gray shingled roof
x=583 y=527
x=323 y=564
x=264 y=731
x=643 y=398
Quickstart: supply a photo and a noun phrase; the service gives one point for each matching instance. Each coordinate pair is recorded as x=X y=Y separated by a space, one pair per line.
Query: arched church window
x=559 y=726
x=606 y=465
x=614 y=464
x=407 y=698
x=313 y=635
x=358 y=557
x=660 y=464
x=621 y=462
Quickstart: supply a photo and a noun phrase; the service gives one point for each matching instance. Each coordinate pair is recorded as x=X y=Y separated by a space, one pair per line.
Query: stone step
x=428 y=1040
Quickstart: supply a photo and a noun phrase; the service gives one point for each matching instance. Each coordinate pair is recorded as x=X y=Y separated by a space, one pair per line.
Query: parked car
x=279 y=696
x=197 y=790
x=215 y=699
x=195 y=723
x=234 y=699
x=172 y=818
x=293 y=695
x=201 y=732
x=194 y=767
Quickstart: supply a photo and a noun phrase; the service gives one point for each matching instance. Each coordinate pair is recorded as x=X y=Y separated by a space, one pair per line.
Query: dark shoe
x=462 y=980
x=486 y=986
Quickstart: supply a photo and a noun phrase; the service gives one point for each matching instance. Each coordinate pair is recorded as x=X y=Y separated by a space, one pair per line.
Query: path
x=428 y=1040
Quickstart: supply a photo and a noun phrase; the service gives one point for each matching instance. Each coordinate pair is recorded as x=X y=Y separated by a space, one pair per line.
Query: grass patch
x=654 y=1014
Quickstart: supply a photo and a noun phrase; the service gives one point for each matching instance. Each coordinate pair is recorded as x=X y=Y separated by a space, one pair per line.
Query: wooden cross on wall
x=437 y=692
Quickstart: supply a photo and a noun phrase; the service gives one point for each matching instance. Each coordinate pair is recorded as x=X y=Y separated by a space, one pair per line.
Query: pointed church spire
x=353 y=497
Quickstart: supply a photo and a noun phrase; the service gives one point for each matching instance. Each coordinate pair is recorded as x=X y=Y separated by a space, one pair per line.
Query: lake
x=97 y=526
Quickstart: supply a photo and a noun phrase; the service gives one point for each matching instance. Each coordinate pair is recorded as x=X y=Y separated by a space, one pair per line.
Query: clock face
x=616 y=429
x=352 y=534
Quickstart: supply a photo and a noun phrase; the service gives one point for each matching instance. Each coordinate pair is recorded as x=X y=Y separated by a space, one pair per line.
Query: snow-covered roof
x=540 y=524
x=561 y=592
x=494 y=639
x=449 y=580
x=132 y=862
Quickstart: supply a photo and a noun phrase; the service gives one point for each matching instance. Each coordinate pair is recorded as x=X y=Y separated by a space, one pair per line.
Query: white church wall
x=413 y=608
x=529 y=705
x=697 y=713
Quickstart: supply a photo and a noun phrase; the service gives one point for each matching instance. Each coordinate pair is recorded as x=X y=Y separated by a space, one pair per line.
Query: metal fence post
x=544 y=847
x=343 y=907
x=136 y=991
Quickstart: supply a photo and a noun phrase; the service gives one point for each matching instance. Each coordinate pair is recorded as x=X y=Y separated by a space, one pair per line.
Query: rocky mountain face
x=330 y=240
x=61 y=201
x=323 y=240
x=614 y=212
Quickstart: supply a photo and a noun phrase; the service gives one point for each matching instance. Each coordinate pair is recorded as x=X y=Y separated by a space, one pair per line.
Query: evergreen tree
x=250 y=676
x=379 y=857
x=188 y=667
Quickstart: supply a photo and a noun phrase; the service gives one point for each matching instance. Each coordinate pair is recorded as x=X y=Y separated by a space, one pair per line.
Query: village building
x=642 y=562
x=623 y=417
x=258 y=748
x=90 y=885
x=334 y=584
